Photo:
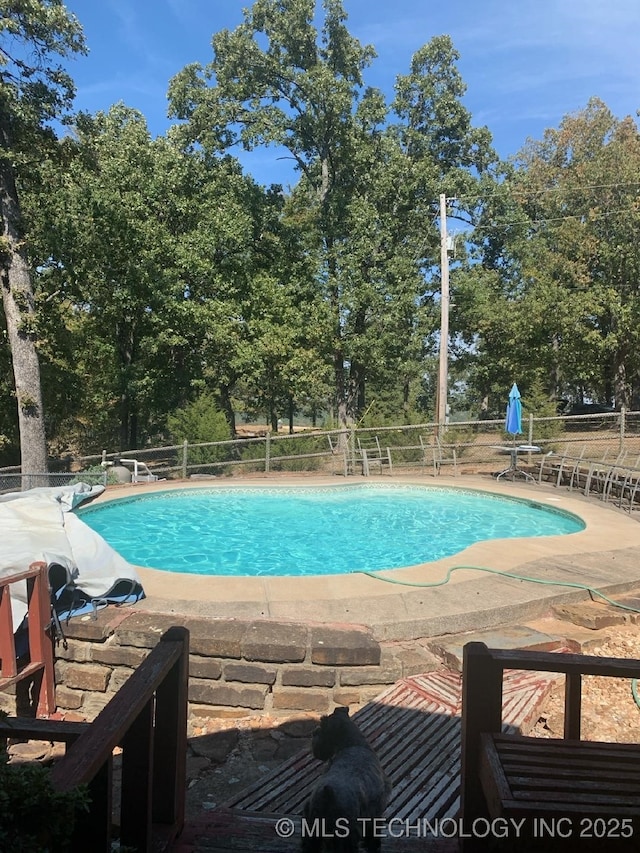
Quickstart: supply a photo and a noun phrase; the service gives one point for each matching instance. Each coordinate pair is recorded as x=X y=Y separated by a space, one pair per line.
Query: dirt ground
x=225 y=757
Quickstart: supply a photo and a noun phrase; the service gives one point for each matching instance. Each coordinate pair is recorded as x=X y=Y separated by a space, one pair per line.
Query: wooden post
x=40 y=643
x=137 y=781
x=40 y=665
x=481 y=712
x=572 y=705
x=170 y=747
x=185 y=452
x=267 y=453
x=443 y=369
x=95 y=824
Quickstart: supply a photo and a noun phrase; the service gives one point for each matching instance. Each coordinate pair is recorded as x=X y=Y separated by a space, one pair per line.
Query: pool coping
x=603 y=556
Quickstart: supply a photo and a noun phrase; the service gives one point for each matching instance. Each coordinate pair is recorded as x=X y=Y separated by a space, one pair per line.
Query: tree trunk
x=125 y=335
x=291 y=412
x=622 y=392
x=357 y=390
x=340 y=390
x=124 y=421
x=227 y=408
x=19 y=308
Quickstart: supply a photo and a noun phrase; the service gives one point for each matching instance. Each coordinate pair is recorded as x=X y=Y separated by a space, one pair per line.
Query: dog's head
x=334 y=732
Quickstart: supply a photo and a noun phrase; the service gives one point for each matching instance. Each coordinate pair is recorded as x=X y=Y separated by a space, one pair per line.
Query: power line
x=587 y=217
x=544 y=191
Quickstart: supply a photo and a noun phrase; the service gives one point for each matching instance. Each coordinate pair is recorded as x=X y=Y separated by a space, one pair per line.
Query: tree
x=295 y=93
x=277 y=80
x=556 y=298
x=107 y=253
x=201 y=422
x=33 y=91
x=159 y=270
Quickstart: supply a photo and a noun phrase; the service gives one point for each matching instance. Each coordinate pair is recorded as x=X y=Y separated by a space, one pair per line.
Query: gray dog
x=348 y=802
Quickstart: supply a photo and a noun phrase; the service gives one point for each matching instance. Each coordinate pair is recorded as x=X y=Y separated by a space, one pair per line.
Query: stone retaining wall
x=236 y=668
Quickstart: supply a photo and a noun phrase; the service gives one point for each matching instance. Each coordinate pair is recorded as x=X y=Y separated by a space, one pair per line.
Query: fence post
x=530 y=442
x=352 y=448
x=185 y=446
x=267 y=453
x=623 y=413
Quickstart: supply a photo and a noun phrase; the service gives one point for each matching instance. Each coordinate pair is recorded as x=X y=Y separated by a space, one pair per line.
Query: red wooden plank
x=8 y=664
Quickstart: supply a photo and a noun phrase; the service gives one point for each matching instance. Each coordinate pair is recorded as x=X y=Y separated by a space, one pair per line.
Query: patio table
x=513 y=450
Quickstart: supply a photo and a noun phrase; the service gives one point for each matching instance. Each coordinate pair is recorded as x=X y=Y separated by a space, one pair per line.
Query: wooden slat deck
x=415 y=728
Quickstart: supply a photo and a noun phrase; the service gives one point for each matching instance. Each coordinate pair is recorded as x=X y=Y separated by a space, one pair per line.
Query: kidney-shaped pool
x=297 y=531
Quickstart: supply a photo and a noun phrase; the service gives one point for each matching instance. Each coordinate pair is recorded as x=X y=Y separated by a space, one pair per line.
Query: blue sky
x=526 y=65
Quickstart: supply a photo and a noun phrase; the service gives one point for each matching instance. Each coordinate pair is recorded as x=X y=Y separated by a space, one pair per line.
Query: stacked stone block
x=236 y=668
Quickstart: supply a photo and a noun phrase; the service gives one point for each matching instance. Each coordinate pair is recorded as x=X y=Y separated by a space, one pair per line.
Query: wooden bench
x=565 y=790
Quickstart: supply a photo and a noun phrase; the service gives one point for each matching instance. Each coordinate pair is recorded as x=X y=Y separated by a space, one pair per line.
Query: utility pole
x=441 y=400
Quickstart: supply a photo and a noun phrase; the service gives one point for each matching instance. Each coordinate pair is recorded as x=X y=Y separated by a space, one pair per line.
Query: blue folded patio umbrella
x=513 y=420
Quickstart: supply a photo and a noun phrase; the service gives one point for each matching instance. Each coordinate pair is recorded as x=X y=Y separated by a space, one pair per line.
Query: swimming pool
x=294 y=531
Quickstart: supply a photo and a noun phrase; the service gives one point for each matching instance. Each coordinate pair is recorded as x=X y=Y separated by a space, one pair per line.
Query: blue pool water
x=312 y=531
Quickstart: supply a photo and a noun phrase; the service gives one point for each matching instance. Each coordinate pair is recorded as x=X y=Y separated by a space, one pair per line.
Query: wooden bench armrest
x=566 y=663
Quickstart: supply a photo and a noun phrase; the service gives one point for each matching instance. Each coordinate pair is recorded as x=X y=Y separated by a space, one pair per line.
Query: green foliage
x=200 y=422
x=34 y=818
x=95 y=474
x=368 y=188
x=555 y=298
x=160 y=268
x=35 y=35
x=295 y=447
x=298 y=447
x=536 y=402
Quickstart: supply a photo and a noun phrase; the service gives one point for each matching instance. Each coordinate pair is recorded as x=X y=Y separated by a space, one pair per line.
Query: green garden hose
x=635 y=692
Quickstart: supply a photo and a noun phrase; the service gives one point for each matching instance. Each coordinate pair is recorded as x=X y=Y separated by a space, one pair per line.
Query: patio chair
x=628 y=486
x=441 y=454
x=372 y=454
x=597 y=474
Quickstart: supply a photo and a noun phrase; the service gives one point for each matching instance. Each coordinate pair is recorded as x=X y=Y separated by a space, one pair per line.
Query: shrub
x=94 y=475
x=201 y=422
x=34 y=817
x=297 y=447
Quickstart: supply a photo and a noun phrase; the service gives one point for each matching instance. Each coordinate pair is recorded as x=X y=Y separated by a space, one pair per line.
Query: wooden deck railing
x=37 y=662
x=147 y=718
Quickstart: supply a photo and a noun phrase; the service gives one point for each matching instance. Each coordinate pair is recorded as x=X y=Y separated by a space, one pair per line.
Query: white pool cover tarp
x=39 y=525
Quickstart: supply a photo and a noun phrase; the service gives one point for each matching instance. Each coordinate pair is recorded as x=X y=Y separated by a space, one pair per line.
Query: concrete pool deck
x=604 y=556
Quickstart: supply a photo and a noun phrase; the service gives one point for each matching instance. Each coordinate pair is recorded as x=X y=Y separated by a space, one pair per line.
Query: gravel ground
x=609 y=710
